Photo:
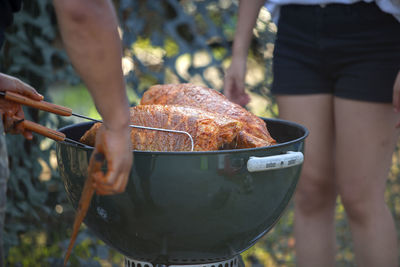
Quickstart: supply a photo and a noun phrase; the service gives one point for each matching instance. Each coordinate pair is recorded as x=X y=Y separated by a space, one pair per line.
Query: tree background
x=167 y=41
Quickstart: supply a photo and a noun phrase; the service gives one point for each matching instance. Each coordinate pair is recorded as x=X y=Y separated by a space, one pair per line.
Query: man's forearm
x=248 y=14
x=90 y=33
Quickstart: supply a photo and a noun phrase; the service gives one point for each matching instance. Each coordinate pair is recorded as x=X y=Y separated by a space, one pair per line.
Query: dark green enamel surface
x=187 y=207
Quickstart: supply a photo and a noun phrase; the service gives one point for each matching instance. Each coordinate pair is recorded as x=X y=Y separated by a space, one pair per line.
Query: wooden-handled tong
x=42 y=105
x=45 y=106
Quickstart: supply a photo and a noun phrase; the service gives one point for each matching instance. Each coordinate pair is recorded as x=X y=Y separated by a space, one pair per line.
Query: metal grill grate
x=234 y=262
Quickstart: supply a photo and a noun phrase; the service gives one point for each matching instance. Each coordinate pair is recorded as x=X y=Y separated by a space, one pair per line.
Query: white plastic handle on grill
x=291 y=158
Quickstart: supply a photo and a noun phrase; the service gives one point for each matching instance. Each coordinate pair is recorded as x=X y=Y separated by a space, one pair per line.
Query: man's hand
x=234 y=83
x=116 y=146
x=12 y=112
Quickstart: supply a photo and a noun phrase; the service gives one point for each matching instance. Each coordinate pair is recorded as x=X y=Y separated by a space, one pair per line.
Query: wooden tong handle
x=42 y=105
x=96 y=161
x=37 y=128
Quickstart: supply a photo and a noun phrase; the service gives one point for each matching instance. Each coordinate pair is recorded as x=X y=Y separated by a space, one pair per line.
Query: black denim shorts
x=349 y=51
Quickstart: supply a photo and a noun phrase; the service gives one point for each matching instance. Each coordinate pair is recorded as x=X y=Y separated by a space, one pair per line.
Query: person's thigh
x=365 y=140
x=316 y=113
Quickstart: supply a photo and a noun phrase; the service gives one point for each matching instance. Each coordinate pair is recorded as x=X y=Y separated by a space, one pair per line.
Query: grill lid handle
x=290 y=159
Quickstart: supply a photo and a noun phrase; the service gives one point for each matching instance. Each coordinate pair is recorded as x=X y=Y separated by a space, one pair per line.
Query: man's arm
x=90 y=34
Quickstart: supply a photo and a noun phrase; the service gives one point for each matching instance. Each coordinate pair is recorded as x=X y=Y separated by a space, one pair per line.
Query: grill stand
x=234 y=262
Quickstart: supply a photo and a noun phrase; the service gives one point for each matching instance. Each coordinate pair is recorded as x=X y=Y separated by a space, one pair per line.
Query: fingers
x=9 y=83
x=12 y=124
x=28 y=135
x=111 y=185
x=27 y=90
x=115 y=181
x=396 y=96
x=116 y=147
x=8 y=123
x=234 y=87
x=396 y=93
x=242 y=98
x=235 y=92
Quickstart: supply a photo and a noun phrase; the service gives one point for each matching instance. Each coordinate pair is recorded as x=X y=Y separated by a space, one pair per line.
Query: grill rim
x=230 y=151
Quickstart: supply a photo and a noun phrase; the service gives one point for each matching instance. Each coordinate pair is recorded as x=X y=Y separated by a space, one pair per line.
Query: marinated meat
x=254 y=134
x=208 y=130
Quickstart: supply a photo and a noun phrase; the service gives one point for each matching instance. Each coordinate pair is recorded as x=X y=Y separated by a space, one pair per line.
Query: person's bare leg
x=366 y=138
x=315 y=196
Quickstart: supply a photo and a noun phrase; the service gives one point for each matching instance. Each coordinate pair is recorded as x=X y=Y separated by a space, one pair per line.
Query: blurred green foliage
x=164 y=42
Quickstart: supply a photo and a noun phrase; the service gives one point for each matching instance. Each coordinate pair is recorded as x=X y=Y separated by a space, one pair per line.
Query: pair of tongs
x=63 y=111
x=45 y=106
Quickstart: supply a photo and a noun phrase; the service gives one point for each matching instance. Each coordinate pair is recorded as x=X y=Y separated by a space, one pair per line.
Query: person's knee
x=315 y=193
x=357 y=204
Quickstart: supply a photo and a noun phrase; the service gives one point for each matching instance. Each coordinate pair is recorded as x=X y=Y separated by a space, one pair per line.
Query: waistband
x=333 y=8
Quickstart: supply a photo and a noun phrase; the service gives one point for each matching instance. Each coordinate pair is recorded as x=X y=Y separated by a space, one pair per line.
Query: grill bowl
x=187 y=207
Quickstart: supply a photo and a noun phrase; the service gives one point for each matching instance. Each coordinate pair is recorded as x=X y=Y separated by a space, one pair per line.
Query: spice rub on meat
x=209 y=131
x=254 y=133
x=208 y=116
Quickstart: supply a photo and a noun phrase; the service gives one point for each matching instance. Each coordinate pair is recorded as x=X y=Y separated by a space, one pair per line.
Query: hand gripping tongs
x=45 y=106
